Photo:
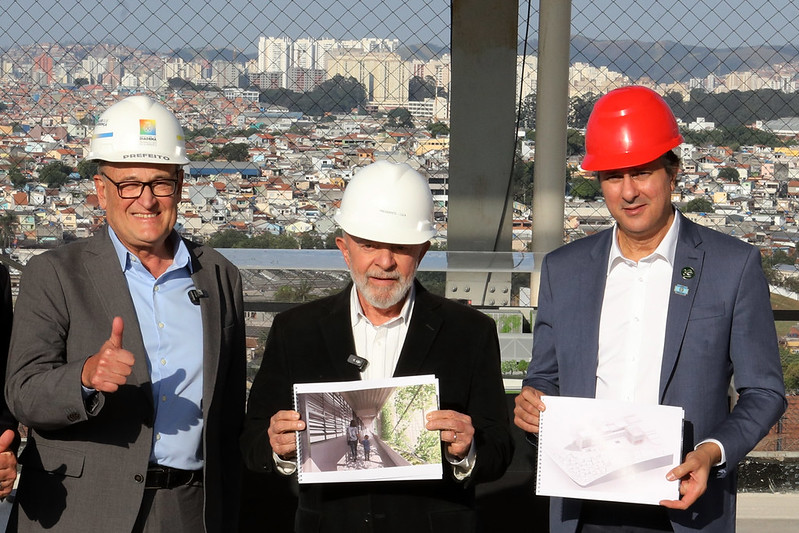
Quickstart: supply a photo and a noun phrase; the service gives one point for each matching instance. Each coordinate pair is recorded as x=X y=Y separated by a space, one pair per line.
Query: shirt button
x=163 y=361
x=161 y=325
x=157 y=436
x=157 y=288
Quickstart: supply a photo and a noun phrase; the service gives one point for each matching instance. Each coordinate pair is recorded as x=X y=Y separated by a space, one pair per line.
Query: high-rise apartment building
x=301 y=64
x=274 y=56
x=384 y=75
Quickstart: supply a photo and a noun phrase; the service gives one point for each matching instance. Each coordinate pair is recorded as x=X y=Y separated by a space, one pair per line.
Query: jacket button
x=73 y=416
x=138 y=478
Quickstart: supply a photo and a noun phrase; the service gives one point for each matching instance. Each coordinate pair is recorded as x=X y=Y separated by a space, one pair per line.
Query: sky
x=167 y=24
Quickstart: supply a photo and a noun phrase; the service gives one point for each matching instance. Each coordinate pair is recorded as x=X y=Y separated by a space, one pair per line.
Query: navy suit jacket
x=723 y=325
x=311 y=342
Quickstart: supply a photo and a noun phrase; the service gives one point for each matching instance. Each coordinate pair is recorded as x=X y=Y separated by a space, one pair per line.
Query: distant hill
x=212 y=54
x=422 y=52
x=666 y=61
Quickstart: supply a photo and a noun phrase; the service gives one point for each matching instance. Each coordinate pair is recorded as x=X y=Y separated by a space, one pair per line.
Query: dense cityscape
x=281 y=171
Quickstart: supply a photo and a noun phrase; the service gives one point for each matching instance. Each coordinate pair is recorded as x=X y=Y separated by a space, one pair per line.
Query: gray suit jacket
x=724 y=324
x=84 y=471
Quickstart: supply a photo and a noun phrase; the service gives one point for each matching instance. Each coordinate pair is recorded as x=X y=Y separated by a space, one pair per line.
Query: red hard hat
x=628 y=127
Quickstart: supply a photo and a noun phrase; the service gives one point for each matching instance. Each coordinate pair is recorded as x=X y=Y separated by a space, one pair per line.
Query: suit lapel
x=206 y=278
x=686 y=273
x=422 y=331
x=591 y=287
x=108 y=280
x=336 y=329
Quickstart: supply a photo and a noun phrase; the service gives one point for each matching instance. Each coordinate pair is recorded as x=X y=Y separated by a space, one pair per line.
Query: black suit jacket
x=7 y=420
x=311 y=342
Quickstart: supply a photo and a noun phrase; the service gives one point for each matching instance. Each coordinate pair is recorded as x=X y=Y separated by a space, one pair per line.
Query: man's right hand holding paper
x=528 y=409
x=282 y=427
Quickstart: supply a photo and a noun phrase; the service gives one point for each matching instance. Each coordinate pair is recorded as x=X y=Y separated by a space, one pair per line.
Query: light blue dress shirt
x=171 y=328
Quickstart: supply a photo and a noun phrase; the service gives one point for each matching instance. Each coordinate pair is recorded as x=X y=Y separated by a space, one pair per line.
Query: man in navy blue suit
x=656 y=310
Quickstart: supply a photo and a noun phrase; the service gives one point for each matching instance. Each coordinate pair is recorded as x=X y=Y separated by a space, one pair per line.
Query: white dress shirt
x=380 y=345
x=632 y=326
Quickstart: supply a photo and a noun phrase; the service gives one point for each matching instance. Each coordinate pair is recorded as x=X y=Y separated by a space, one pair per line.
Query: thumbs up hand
x=110 y=367
x=8 y=463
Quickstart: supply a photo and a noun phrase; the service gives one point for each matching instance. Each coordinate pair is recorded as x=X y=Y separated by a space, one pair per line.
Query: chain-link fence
x=282 y=101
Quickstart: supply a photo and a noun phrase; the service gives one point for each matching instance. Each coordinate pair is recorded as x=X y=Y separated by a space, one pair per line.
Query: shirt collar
x=180 y=253
x=357 y=314
x=666 y=249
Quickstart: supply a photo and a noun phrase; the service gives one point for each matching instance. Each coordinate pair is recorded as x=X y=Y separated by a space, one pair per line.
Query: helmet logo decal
x=147 y=131
x=146 y=127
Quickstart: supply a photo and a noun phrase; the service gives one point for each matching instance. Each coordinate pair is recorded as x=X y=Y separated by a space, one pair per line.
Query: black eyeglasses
x=129 y=190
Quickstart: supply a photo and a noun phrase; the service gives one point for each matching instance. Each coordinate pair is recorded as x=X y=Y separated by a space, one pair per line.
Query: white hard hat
x=387 y=202
x=138 y=129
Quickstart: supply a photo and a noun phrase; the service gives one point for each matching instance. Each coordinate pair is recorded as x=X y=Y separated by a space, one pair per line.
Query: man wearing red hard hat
x=656 y=310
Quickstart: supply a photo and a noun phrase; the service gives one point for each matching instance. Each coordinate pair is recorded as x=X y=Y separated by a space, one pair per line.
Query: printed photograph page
x=369 y=430
x=608 y=450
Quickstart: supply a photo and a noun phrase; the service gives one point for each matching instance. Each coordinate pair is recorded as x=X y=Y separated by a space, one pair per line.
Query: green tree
x=437 y=129
x=580 y=108
x=229 y=238
x=434 y=282
x=729 y=174
x=527 y=112
x=792 y=284
x=87 y=169
x=330 y=239
x=284 y=241
x=181 y=84
x=523 y=174
x=8 y=224
x=575 y=142
x=336 y=95
x=587 y=189
x=779 y=257
x=399 y=117
x=231 y=152
x=17 y=178
x=55 y=174
x=420 y=89
x=295 y=293
x=699 y=205
x=791 y=376
x=207 y=131
x=311 y=241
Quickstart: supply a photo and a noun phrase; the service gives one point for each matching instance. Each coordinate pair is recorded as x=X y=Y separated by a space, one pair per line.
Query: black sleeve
x=7 y=420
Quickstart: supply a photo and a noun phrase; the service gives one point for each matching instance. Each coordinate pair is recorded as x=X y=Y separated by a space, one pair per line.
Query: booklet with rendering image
x=368 y=430
x=608 y=450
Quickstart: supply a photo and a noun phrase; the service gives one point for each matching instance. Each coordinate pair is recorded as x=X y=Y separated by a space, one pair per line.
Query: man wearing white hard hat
x=389 y=320
x=128 y=361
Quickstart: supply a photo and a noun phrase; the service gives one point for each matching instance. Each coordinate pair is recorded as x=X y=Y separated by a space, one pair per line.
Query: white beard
x=383 y=298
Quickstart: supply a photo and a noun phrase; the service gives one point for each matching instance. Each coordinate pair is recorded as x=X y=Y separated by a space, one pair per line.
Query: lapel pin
x=687 y=273
x=682 y=290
